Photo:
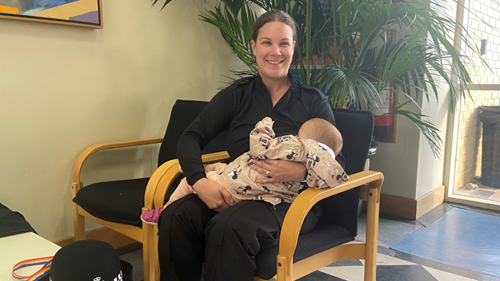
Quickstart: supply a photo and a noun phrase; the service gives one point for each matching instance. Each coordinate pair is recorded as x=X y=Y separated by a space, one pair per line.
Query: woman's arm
x=213 y=194
x=214 y=119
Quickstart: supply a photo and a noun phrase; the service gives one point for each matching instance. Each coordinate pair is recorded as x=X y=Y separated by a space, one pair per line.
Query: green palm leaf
x=363 y=62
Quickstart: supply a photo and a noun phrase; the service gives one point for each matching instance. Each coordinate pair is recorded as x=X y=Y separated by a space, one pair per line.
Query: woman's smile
x=275 y=62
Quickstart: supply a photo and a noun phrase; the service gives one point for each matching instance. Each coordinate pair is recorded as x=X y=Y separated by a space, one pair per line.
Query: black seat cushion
x=115 y=201
x=324 y=236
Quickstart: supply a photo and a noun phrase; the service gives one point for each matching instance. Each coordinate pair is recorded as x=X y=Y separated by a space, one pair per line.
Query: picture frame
x=83 y=13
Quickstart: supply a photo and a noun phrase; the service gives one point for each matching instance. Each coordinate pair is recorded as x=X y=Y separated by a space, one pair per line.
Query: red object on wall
x=383 y=124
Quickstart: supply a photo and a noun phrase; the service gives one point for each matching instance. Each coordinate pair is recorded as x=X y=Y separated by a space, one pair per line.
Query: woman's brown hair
x=272 y=16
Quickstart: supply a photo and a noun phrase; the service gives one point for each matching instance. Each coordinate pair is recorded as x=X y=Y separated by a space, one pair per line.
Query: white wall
x=399 y=161
x=64 y=88
x=409 y=166
x=430 y=172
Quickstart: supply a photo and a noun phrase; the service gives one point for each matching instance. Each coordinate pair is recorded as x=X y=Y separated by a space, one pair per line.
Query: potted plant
x=343 y=48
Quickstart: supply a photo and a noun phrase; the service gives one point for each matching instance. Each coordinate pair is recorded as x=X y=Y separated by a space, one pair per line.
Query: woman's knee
x=245 y=220
x=188 y=208
x=231 y=217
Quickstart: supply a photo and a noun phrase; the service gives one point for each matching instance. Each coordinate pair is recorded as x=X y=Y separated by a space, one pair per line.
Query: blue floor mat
x=460 y=238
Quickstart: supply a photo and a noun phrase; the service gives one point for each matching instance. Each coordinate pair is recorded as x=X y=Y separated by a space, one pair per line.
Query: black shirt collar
x=292 y=89
x=290 y=76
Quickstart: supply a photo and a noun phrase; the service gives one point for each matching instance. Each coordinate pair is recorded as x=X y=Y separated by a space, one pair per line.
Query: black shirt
x=238 y=108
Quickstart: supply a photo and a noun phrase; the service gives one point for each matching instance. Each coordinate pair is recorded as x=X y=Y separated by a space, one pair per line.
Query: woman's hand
x=279 y=171
x=213 y=194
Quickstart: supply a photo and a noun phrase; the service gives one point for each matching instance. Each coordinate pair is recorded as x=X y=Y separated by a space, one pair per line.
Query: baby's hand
x=267 y=121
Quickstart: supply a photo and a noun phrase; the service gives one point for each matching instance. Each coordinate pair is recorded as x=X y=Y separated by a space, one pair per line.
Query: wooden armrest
x=77 y=168
x=368 y=180
x=162 y=178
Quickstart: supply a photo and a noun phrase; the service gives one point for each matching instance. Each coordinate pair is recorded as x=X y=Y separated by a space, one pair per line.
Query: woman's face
x=273 y=50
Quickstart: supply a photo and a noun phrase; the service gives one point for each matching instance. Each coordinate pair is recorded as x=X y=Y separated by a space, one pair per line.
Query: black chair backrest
x=182 y=114
x=356 y=127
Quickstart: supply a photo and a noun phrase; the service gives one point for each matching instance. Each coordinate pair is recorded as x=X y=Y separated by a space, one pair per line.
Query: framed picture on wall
x=85 y=13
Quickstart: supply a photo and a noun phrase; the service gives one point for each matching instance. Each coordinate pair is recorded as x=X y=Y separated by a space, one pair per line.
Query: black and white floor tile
x=388 y=269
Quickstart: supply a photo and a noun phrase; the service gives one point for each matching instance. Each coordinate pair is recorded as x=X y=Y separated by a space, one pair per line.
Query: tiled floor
x=391 y=265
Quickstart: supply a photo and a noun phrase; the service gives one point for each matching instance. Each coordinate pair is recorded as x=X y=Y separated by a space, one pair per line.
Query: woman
x=206 y=227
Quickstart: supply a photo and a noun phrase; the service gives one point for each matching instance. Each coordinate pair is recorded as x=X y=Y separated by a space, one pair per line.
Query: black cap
x=87 y=260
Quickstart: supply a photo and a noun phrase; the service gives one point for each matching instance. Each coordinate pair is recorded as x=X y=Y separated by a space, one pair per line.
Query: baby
x=316 y=145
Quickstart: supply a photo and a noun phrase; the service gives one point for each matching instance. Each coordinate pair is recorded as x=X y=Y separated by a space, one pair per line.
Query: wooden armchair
x=331 y=240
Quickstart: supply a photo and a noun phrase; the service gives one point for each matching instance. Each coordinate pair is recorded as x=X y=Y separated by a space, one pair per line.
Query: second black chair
x=118 y=204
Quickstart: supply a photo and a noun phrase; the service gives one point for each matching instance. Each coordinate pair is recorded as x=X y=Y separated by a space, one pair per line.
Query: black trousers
x=227 y=242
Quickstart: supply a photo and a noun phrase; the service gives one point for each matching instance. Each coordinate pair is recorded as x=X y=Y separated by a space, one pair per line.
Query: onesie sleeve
x=264 y=144
x=261 y=138
x=323 y=170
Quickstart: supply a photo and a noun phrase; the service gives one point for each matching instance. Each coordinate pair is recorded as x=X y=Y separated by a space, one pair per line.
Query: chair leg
x=284 y=269
x=156 y=259
x=372 y=218
x=78 y=224
x=149 y=249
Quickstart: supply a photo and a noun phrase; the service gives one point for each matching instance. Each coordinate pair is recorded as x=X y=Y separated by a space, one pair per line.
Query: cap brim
x=126 y=272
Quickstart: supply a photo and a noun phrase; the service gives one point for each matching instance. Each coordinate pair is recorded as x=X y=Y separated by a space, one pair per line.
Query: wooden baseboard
x=411 y=208
x=398 y=206
x=107 y=235
x=430 y=201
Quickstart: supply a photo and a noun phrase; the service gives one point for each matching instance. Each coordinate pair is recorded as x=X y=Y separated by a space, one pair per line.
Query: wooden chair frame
x=145 y=235
x=154 y=196
x=370 y=183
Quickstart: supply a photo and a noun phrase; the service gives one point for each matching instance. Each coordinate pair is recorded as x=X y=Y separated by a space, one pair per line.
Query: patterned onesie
x=239 y=179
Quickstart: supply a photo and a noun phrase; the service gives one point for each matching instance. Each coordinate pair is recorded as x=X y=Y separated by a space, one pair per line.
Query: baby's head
x=322 y=131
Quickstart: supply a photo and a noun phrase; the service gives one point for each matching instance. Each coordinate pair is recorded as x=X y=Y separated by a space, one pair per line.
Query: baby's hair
x=324 y=132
